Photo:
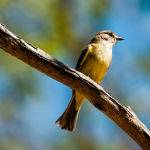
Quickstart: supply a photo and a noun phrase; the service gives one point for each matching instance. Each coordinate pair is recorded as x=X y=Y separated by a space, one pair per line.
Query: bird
x=94 y=62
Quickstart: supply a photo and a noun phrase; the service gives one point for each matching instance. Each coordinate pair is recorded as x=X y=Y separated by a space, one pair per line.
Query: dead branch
x=123 y=116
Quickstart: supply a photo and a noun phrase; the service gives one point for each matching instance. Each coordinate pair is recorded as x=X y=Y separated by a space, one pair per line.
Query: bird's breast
x=97 y=63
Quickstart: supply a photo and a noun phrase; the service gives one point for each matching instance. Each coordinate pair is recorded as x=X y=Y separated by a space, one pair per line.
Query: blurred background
x=30 y=102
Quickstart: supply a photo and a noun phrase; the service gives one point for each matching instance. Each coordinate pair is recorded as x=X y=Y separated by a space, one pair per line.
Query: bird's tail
x=69 y=118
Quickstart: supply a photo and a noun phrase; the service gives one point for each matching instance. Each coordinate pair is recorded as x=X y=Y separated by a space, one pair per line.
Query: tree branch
x=123 y=116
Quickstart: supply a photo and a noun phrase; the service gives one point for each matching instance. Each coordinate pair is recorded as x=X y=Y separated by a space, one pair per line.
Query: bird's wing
x=83 y=56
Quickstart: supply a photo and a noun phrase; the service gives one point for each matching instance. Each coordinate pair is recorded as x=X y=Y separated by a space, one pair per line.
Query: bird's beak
x=119 y=38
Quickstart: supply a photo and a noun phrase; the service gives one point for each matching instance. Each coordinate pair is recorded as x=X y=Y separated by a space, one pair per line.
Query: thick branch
x=123 y=116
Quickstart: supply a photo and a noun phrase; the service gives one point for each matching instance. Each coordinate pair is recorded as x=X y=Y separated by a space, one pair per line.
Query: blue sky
x=130 y=19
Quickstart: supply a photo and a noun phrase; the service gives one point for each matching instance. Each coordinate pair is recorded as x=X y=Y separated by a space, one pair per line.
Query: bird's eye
x=105 y=38
x=111 y=34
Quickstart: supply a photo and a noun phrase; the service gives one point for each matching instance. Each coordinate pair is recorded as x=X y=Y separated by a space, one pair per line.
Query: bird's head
x=106 y=36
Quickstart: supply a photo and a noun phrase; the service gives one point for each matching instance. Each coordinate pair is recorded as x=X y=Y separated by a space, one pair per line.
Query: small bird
x=94 y=62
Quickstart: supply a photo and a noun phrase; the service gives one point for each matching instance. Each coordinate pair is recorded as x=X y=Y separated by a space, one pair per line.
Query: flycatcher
x=94 y=62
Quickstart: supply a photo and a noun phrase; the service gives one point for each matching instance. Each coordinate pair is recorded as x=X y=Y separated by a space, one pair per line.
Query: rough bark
x=123 y=116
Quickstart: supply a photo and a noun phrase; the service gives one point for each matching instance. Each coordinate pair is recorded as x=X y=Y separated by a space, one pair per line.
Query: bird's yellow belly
x=96 y=66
